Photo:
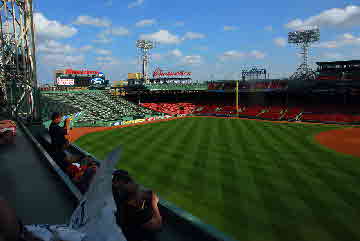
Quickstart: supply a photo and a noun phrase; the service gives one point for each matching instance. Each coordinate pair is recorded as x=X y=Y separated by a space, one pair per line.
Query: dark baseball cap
x=55 y=115
x=122 y=175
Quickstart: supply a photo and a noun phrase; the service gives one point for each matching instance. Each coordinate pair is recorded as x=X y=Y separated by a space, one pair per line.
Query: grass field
x=252 y=180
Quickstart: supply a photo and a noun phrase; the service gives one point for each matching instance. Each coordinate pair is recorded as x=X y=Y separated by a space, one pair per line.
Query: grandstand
x=95 y=105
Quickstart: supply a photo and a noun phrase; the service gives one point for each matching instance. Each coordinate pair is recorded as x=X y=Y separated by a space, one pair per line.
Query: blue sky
x=213 y=39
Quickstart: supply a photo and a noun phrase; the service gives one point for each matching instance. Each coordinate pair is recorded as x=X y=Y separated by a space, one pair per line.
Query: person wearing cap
x=57 y=133
x=58 y=141
x=137 y=212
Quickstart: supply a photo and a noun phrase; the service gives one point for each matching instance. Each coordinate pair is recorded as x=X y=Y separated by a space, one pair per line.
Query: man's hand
x=154 y=199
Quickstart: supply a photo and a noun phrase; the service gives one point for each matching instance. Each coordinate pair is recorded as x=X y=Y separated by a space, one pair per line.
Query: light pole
x=304 y=39
x=145 y=46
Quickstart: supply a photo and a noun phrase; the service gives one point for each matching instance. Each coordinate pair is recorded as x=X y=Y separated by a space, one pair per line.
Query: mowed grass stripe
x=332 y=200
x=299 y=212
x=263 y=179
x=250 y=198
x=326 y=176
x=148 y=155
x=311 y=197
x=197 y=171
x=328 y=157
x=278 y=212
x=318 y=186
x=171 y=161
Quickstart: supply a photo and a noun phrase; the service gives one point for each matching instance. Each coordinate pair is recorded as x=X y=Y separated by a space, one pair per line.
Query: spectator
x=85 y=176
x=58 y=140
x=57 y=133
x=137 y=211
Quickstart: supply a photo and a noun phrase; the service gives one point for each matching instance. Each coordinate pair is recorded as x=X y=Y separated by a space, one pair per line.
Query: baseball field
x=252 y=180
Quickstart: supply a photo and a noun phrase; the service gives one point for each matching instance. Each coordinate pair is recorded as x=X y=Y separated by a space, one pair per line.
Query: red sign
x=159 y=73
x=79 y=72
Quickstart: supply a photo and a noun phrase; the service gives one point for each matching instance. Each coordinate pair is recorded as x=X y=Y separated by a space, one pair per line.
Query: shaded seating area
x=95 y=105
x=274 y=113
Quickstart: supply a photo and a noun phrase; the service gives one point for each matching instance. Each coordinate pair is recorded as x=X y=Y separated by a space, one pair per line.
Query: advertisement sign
x=65 y=81
x=81 y=72
x=159 y=73
x=97 y=81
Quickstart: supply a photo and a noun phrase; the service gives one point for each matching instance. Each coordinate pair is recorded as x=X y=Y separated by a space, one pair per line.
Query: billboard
x=160 y=73
x=79 y=78
x=60 y=81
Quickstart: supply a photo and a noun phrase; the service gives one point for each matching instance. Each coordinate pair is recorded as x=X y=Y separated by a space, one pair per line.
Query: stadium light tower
x=145 y=46
x=304 y=39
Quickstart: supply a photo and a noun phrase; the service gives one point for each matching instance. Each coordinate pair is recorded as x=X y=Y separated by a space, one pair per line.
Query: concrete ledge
x=72 y=188
x=195 y=224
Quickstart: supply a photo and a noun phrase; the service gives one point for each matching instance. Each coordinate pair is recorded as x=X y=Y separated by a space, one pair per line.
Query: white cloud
x=191 y=60
x=57 y=48
x=269 y=28
x=102 y=38
x=157 y=56
x=179 y=23
x=54 y=47
x=162 y=36
x=88 y=20
x=233 y=54
x=332 y=56
x=281 y=42
x=343 y=40
x=257 y=54
x=63 y=60
x=137 y=3
x=335 y=17
x=230 y=28
x=107 y=60
x=104 y=58
x=176 y=53
x=86 y=48
x=192 y=35
x=145 y=22
x=118 y=31
x=50 y=29
x=103 y=52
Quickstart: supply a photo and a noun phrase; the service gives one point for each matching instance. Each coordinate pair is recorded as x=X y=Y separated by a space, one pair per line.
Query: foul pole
x=237 y=97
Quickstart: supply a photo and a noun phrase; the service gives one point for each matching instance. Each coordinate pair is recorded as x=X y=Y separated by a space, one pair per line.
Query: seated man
x=84 y=176
x=137 y=211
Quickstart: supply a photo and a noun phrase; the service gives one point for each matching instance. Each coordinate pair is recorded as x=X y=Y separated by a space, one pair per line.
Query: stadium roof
x=339 y=62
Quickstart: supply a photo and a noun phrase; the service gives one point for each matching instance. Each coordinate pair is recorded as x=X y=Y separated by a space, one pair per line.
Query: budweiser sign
x=159 y=73
x=80 y=72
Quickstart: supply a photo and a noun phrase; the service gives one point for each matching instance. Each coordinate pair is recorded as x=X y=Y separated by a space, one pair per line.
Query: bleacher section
x=322 y=114
x=94 y=105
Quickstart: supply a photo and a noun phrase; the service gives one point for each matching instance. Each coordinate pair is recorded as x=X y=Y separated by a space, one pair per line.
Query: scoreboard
x=78 y=78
